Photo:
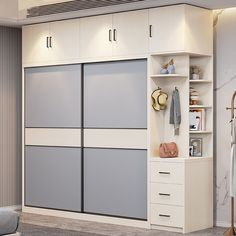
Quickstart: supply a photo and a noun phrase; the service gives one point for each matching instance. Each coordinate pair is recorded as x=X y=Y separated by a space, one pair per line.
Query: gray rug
x=35 y=230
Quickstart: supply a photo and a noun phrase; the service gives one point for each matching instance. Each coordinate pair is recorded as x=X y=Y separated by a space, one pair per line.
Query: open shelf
x=200 y=132
x=200 y=81
x=199 y=106
x=168 y=76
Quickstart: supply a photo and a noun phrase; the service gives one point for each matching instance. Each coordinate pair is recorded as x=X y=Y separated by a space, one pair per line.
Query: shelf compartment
x=168 y=76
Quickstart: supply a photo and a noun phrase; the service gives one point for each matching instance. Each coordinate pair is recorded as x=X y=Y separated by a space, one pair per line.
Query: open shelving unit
x=161 y=131
x=196 y=171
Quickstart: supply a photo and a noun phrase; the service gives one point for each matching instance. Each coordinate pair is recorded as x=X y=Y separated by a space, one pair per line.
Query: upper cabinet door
x=167 y=29
x=130 y=33
x=96 y=37
x=64 y=40
x=36 y=43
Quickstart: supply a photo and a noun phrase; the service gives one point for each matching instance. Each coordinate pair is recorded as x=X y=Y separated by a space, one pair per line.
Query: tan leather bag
x=168 y=150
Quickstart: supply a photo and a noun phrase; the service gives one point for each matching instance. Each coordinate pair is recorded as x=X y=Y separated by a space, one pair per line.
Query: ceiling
x=17 y=14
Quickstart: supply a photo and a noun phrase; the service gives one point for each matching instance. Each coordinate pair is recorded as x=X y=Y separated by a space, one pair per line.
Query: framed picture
x=196 y=145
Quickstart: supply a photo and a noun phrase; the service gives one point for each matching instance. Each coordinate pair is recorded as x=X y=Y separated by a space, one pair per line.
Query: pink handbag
x=168 y=150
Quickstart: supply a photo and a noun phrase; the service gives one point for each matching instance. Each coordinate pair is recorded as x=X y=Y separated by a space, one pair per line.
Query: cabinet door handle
x=167 y=216
x=50 y=42
x=115 y=35
x=150 y=31
x=110 y=32
x=47 y=44
x=164 y=173
x=164 y=194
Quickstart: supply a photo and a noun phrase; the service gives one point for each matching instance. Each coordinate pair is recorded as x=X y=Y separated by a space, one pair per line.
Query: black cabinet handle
x=164 y=194
x=150 y=31
x=164 y=173
x=50 y=42
x=110 y=39
x=167 y=216
x=47 y=45
x=114 y=34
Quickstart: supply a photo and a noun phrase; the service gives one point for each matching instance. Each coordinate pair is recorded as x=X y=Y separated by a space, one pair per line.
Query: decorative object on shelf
x=190 y=151
x=175 y=111
x=195 y=73
x=163 y=69
x=168 y=68
x=196 y=145
x=197 y=120
x=194 y=97
x=171 y=67
x=168 y=150
x=159 y=99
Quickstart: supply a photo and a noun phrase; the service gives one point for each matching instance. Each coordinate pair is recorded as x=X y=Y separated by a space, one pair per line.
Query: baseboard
x=14 y=207
x=223 y=224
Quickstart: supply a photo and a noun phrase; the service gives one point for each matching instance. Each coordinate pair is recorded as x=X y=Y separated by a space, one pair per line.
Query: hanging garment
x=175 y=112
x=233 y=159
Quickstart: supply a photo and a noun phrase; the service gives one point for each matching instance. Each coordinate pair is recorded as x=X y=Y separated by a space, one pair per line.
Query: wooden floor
x=37 y=225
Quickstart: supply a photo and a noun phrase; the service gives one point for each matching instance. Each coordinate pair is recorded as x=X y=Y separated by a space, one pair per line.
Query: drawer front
x=168 y=194
x=164 y=215
x=167 y=172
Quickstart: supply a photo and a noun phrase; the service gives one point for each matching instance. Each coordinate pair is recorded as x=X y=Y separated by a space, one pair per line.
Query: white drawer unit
x=169 y=194
x=168 y=172
x=163 y=215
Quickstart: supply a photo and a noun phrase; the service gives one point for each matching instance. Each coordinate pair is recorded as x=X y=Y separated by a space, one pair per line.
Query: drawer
x=169 y=194
x=164 y=215
x=167 y=172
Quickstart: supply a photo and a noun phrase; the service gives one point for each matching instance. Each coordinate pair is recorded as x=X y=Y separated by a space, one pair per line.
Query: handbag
x=168 y=150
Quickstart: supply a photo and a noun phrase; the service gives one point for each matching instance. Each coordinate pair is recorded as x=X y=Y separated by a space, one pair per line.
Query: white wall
x=225 y=64
x=8 y=9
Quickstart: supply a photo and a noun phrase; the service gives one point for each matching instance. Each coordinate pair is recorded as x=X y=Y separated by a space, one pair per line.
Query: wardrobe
x=91 y=136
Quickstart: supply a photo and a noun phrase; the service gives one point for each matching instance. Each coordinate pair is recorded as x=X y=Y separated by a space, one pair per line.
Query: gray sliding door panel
x=53 y=96
x=53 y=177
x=115 y=94
x=115 y=182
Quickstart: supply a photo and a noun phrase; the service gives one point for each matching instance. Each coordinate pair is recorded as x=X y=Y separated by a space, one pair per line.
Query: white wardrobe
x=91 y=137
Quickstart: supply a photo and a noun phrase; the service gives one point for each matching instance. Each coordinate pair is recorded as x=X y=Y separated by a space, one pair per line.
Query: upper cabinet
x=130 y=33
x=51 y=43
x=134 y=34
x=120 y=34
x=96 y=36
x=180 y=28
x=35 y=43
x=65 y=40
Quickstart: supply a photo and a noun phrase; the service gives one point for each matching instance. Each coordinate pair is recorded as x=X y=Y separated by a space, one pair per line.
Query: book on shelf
x=197 y=120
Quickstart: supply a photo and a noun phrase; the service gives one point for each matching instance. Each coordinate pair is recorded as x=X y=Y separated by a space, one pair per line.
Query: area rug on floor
x=35 y=230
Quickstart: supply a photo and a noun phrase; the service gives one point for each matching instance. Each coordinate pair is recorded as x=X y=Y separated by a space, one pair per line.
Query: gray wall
x=225 y=85
x=10 y=116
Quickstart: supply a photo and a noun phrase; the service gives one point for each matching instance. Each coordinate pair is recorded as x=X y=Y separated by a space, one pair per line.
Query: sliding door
x=115 y=142
x=53 y=137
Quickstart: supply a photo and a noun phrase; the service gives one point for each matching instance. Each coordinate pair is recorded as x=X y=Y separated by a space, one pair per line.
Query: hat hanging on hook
x=159 y=99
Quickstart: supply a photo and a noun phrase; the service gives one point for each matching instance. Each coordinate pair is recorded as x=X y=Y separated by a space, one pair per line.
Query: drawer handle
x=166 y=216
x=164 y=194
x=164 y=173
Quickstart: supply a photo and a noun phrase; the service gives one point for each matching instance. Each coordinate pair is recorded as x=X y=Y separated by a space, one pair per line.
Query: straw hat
x=159 y=99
